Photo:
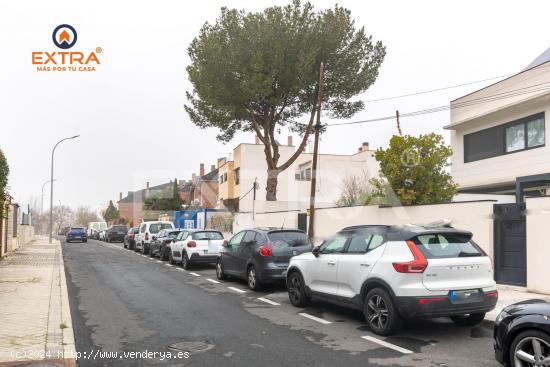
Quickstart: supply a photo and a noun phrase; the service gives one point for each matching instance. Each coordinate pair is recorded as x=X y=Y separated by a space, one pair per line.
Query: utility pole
x=398 y=123
x=310 y=229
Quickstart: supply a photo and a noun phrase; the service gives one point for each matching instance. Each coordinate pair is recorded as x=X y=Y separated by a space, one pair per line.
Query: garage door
x=510 y=244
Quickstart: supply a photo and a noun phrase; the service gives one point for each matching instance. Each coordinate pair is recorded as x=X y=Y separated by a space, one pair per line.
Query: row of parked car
x=390 y=273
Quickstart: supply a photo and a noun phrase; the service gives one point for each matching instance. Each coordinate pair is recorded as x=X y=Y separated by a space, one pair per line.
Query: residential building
x=498 y=135
x=205 y=192
x=237 y=176
x=16 y=227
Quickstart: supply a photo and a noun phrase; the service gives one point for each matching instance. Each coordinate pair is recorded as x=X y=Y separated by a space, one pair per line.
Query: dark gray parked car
x=261 y=255
x=159 y=245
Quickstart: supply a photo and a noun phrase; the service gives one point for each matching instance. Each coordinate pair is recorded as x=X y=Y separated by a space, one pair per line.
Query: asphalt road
x=124 y=302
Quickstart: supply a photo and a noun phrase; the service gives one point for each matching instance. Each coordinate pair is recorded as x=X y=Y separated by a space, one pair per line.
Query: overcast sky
x=130 y=113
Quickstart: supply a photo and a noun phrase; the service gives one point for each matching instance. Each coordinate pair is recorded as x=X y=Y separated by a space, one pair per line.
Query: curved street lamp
x=51 y=183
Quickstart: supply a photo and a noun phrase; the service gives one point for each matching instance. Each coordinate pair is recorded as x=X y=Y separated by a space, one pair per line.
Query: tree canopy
x=415 y=169
x=259 y=71
x=111 y=213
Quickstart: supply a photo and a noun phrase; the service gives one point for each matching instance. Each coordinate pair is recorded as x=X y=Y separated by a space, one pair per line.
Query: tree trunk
x=271 y=185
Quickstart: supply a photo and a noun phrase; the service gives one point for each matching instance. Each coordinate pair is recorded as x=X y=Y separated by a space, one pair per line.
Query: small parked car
x=397 y=272
x=522 y=334
x=77 y=234
x=129 y=238
x=261 y=255
x=193 y=246
x=144 y=236
x=101 y=235
x=116 y=232
x=160 y=244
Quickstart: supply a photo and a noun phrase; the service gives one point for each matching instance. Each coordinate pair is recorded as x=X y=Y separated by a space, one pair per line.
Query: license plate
x=466 y=295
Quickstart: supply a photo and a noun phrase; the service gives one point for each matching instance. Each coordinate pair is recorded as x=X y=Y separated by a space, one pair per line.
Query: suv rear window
x=119 y=228
x=207 y=236
x=447 y=245
x=291 y=238
x=156 y=227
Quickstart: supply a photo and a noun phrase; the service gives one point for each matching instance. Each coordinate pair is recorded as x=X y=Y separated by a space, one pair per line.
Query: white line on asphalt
x=159 y=261
x=213 y=281
x=195 y=274
x=387 y=345
x=168 y=264
x=236 y=289
x=268 y=301
x=319 y=320
x=180 y=269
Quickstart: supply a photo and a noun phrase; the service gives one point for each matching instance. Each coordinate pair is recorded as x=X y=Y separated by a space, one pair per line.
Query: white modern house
x=247 y=164
x=499 y=135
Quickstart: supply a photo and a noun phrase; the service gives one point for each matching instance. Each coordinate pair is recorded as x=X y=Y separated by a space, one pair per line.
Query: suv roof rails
x=436 y=224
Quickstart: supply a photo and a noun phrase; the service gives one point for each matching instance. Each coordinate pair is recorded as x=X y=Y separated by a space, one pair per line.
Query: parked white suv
x=396 y=272
x=146 y=231
x=196 y=246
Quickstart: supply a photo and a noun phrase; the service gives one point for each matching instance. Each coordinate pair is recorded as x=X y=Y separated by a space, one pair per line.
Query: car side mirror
x=316 y=251
x=226 y=244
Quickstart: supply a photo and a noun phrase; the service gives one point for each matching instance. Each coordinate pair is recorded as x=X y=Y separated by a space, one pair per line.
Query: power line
x=436 y=89
x=498 y=96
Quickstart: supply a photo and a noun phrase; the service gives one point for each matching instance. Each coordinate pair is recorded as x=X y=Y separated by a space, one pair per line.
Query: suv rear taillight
x=417 y=265
x=167 y=241
x=146 y=236
x=266 y=250
x=191 y=244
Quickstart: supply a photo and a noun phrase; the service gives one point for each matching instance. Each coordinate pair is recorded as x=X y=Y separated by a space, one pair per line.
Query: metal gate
x=510 y=244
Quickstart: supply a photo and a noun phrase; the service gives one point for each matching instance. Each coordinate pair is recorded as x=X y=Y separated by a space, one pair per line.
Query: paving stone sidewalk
x=35 y=318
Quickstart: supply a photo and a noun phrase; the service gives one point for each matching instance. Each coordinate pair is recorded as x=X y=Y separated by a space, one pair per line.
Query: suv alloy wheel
x=380 y=312
x=297 y=291
x=171 y=258
x=530 y=348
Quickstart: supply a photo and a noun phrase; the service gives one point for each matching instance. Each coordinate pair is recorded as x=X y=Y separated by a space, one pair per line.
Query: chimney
x=201 y=170
x=289 y=141
x=257 y=139
x=212 y=167
x=120 y=196
x=365 y=146
x=147 y=185
x=194 y=178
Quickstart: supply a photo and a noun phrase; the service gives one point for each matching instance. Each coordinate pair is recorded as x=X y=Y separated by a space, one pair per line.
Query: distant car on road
x=129 y=238
x=397 y=272
x=160 y=245
x=77 y=234
x=261 y=255
x=522 y=334
x=116 y=232
x=193 y=246
x=144 y=236
x=101 y=235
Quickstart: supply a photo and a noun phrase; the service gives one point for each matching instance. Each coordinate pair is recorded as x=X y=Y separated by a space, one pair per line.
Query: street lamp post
x=42 y=200
x=51 y=184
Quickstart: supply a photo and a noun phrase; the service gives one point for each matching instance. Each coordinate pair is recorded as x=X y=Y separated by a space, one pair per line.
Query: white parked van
x=96 y=227
x=146 y=232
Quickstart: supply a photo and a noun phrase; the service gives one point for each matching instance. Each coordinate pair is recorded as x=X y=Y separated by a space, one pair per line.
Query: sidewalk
x=35 y=319
x=508 y=295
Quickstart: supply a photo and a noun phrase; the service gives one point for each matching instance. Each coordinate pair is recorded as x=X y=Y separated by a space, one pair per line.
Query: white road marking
x=168 y=264
x=159 y=261
x=180 y=269
x=212 y=281
x=236 y=289
x=311 y=317
x=195 y=274
x=387 y=345
x=268 y=301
